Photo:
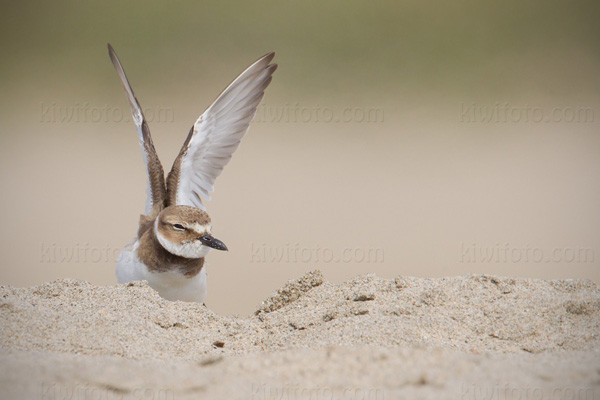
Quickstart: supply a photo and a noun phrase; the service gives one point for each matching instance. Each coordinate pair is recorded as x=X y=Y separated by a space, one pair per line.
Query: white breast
x=171 y=285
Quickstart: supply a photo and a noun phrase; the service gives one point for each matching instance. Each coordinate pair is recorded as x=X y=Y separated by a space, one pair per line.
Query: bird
x=174 y=233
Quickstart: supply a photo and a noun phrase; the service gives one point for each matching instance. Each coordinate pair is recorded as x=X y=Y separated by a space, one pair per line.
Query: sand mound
x=328 y=336
x=475 y=313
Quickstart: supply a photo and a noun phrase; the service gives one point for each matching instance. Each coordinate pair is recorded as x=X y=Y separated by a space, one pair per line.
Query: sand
x=466 y=337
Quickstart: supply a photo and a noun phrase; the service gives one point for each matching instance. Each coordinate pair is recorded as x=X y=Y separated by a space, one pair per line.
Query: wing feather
x=156 y=177
x=216 y=135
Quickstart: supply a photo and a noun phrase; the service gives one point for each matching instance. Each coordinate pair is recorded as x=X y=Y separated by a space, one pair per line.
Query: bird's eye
x=178 y=227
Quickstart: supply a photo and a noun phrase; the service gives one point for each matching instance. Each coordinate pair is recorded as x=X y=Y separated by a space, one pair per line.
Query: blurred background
x=397 y=138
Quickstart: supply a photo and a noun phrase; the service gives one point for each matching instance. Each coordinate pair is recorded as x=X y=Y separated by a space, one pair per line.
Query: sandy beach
x=466 y=337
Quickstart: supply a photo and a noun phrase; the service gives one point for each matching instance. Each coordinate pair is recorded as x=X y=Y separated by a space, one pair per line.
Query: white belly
x=171 y=285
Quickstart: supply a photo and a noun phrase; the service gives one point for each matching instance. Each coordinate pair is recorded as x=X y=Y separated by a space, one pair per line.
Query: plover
x=174 y=234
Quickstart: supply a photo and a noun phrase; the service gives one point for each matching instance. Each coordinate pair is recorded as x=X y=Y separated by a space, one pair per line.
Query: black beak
x=210 y=241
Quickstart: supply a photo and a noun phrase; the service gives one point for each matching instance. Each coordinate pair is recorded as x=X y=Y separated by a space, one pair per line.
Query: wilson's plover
x=174 y=233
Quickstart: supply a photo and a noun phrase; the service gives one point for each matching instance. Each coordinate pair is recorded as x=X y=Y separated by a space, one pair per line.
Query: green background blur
x=427 y=180
x=333 y=49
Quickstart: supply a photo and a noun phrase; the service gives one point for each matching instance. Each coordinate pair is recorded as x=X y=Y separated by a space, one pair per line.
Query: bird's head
x=185 y=232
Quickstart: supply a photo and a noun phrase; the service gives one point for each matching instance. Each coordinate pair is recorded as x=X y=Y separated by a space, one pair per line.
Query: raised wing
x=156 y=177
x=216 y=135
